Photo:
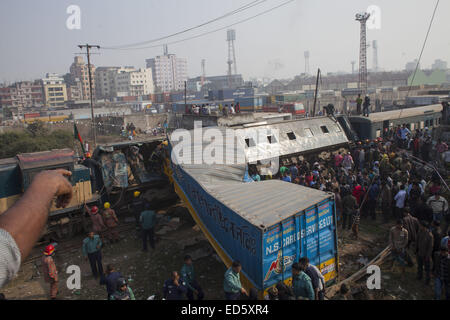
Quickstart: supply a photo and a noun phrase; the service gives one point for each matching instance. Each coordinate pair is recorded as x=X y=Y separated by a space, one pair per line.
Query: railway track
x=68 y=245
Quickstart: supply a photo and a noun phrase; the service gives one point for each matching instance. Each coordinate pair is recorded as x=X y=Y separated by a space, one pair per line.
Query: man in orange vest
x=111 y=221
x=49 y=270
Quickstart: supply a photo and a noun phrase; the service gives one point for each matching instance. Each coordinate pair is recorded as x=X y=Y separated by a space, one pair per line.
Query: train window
x=324 y=129
x=291 y=135
x=308 y=132
x=272 y=139
x=250 y=142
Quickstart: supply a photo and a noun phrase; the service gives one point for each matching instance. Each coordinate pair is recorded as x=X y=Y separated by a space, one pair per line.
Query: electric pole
x=316 y=92
x=88 y=46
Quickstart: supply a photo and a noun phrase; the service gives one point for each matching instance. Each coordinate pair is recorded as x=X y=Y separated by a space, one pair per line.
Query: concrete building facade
x=54 y=90
x=79 y=70
x=169 y=72
x=112 y=82
x=24 y=94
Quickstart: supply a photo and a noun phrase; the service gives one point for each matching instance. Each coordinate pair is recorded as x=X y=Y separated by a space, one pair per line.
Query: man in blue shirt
x=111 y=280
x=374 y=191
x=174 y=288
x=188 y=276
x=148 y=219
x=92 y=250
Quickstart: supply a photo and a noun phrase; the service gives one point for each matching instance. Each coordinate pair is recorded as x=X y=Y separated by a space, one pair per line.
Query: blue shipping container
x=300 y=222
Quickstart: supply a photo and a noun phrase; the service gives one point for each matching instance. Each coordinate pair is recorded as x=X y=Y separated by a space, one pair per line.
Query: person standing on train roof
x=359 y=102
x=111 y=221
x=49 y=270
x=366 y=106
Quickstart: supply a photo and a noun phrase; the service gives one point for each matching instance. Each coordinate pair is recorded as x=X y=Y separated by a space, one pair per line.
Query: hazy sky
x=35 y=39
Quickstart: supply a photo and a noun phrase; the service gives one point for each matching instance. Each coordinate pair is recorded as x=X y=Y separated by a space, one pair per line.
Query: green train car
x=17 y=173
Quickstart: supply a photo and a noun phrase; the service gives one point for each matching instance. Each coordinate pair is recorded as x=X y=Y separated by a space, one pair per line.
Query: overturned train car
x=270 y=224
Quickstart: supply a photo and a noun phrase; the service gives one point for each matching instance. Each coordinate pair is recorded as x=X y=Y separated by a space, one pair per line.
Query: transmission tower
x=362 y=84
x=231 y=36
x=306 y=55
x=375 y=55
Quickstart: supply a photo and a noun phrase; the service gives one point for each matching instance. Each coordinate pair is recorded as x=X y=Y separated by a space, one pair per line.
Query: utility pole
x=315 y=95
x=88 y=46
x=185 y=95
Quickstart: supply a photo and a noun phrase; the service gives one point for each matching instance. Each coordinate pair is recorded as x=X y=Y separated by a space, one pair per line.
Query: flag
x=77 y=136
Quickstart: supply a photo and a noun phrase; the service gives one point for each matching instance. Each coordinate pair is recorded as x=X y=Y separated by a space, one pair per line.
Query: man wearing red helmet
x=49 y=270
x=98 y=225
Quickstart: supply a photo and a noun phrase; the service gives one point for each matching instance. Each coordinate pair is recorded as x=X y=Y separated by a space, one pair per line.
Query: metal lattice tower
x=375 y=55
x=231 y=36
x=362 y=84
x=306 y=55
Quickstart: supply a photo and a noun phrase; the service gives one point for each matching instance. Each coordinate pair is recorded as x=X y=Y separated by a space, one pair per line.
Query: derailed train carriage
x=377 y=124
x=266 y=225
x=114 y=179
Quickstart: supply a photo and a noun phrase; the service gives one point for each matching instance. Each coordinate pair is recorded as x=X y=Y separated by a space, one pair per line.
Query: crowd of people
x=389 y=180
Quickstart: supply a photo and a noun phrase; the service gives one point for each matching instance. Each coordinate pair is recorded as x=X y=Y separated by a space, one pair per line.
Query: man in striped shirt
x=22 y=224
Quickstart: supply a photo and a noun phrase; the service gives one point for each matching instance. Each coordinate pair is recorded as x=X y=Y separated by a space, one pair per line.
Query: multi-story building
x=439 y=65
x=135 y=82
x=79 y=70
x=169 y=72
x=24 y=94
x=105 y=78
x=54 y=89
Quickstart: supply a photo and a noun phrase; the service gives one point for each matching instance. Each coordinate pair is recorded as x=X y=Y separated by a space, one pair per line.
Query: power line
x=238 y=10
x=208 y=32
x=420 y=56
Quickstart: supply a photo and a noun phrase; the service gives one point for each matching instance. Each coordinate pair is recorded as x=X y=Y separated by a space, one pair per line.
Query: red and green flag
x=78 y=137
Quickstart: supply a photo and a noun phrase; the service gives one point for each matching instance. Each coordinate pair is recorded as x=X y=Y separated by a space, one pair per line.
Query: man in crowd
x=148 y=220
x=92 y=250
x=111 y=221
x=412 y=225
x=188 y=276
x=301 y=283
x=174 y=288
x=98 y=225
x=123 y=291
x=400 y=199
x=424 y=250
x=439 y=205
x=49 y=270
x=232 y=282
x=317 y=279
x=111 y=279
x=441 y=272
x=137 y=206
x=398 y=239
